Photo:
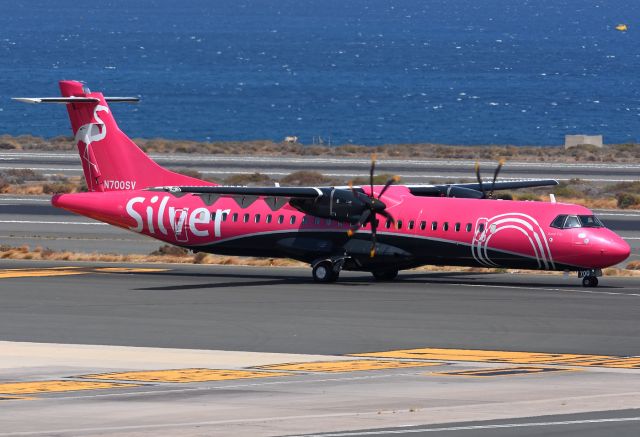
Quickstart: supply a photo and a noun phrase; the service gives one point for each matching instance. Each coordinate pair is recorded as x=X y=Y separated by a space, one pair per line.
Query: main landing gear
x=324 y=271
x=327 y=270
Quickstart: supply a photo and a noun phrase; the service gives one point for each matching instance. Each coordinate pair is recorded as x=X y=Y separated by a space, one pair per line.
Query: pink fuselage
x=429 y=230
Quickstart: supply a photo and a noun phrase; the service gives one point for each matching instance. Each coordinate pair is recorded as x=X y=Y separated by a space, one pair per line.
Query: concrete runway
x=411 y=170
x=440 y=352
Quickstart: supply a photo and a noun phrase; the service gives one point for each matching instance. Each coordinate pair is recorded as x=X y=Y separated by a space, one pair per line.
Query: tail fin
x=110 y=160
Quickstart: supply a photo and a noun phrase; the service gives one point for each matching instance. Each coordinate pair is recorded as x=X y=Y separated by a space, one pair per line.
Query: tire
x=385 y=275
x=590 y=281
x=323 y=272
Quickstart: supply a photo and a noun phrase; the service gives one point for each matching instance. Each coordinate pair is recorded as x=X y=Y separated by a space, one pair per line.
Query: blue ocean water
x=360 y=71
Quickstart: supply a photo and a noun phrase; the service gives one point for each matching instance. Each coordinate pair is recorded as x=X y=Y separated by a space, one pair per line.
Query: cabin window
x=457 y=227
x=411 y=224
x=468 y=228
x=292 y=220
x=387 y=224
x=234 y=217
x=268 y=218
x=224 y=216
x=481 y=227
x=434 y=226
x=399 y=224
x=257 y=218
x=328 y=222
x=280 y=219
x=445 y=226
x=423 y=225
x=304 y=219
x=246 y=218
x=213 y=216
x=317 y=220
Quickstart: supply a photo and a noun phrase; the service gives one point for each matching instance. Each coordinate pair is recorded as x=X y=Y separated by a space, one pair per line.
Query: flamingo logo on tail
x=87 y=134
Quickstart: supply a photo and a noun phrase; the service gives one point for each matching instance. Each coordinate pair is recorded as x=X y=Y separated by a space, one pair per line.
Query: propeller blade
x=480 y=179
x=371 y=172
x=495 y=176
x=390 y=182
x=364 y=217
x=374 y=238
x=363 y=198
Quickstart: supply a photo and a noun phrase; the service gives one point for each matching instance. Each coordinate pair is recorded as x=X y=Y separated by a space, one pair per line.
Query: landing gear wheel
x=385 y=275
x=323 y=272
x=590 y=281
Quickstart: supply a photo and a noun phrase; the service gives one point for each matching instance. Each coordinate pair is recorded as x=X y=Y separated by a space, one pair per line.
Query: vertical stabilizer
x=110 y=160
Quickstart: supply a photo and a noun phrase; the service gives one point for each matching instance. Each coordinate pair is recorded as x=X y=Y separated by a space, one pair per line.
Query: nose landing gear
x=590 y=277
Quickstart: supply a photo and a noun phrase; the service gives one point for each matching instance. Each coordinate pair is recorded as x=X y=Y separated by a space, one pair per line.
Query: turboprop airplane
x=376 y=228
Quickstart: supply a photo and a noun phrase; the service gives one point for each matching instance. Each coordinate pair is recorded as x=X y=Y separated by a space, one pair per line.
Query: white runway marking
x=565 y=290
x=474 y=427
x=52 y=223
x=323 y=416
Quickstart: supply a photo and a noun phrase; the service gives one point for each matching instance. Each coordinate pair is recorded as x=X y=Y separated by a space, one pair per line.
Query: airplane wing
x=469 y=190
x=296 y=192
x=474 y=190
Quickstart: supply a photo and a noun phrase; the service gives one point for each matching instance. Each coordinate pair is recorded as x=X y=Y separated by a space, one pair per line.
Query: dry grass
x=171 y=257
x=167 y=254
x=612 y=153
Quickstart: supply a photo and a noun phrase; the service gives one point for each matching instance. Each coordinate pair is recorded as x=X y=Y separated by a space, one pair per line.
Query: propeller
x=372 y=206
x=493 y=182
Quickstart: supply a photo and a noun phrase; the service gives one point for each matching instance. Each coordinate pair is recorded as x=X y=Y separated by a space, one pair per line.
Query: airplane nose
x=617 y=251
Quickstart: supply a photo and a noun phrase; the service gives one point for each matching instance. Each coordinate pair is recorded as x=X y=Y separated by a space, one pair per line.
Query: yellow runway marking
x=128 y=270
x=485 y=356
x=19 y=388
x=69 y=271
x=185 y=375
x=348 y=366
x=507 y=371
x=6 y=274
x=15 y=398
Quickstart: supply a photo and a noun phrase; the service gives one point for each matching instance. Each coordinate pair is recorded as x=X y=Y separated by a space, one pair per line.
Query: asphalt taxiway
x=113 y=349
x=342 y=167
x=95 y=349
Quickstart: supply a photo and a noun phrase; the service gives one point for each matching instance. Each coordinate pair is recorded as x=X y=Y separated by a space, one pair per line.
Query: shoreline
x=624 y=153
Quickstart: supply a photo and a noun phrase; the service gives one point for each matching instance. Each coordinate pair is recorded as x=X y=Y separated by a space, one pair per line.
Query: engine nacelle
x=338 y=204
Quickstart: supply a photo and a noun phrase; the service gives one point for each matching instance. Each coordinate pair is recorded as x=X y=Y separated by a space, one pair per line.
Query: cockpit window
x=580 y=221
x=572 y=222
x=558 y=222
x=590 y=221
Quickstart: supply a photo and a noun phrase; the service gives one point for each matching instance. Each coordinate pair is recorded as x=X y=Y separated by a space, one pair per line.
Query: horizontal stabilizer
x=73 y=99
